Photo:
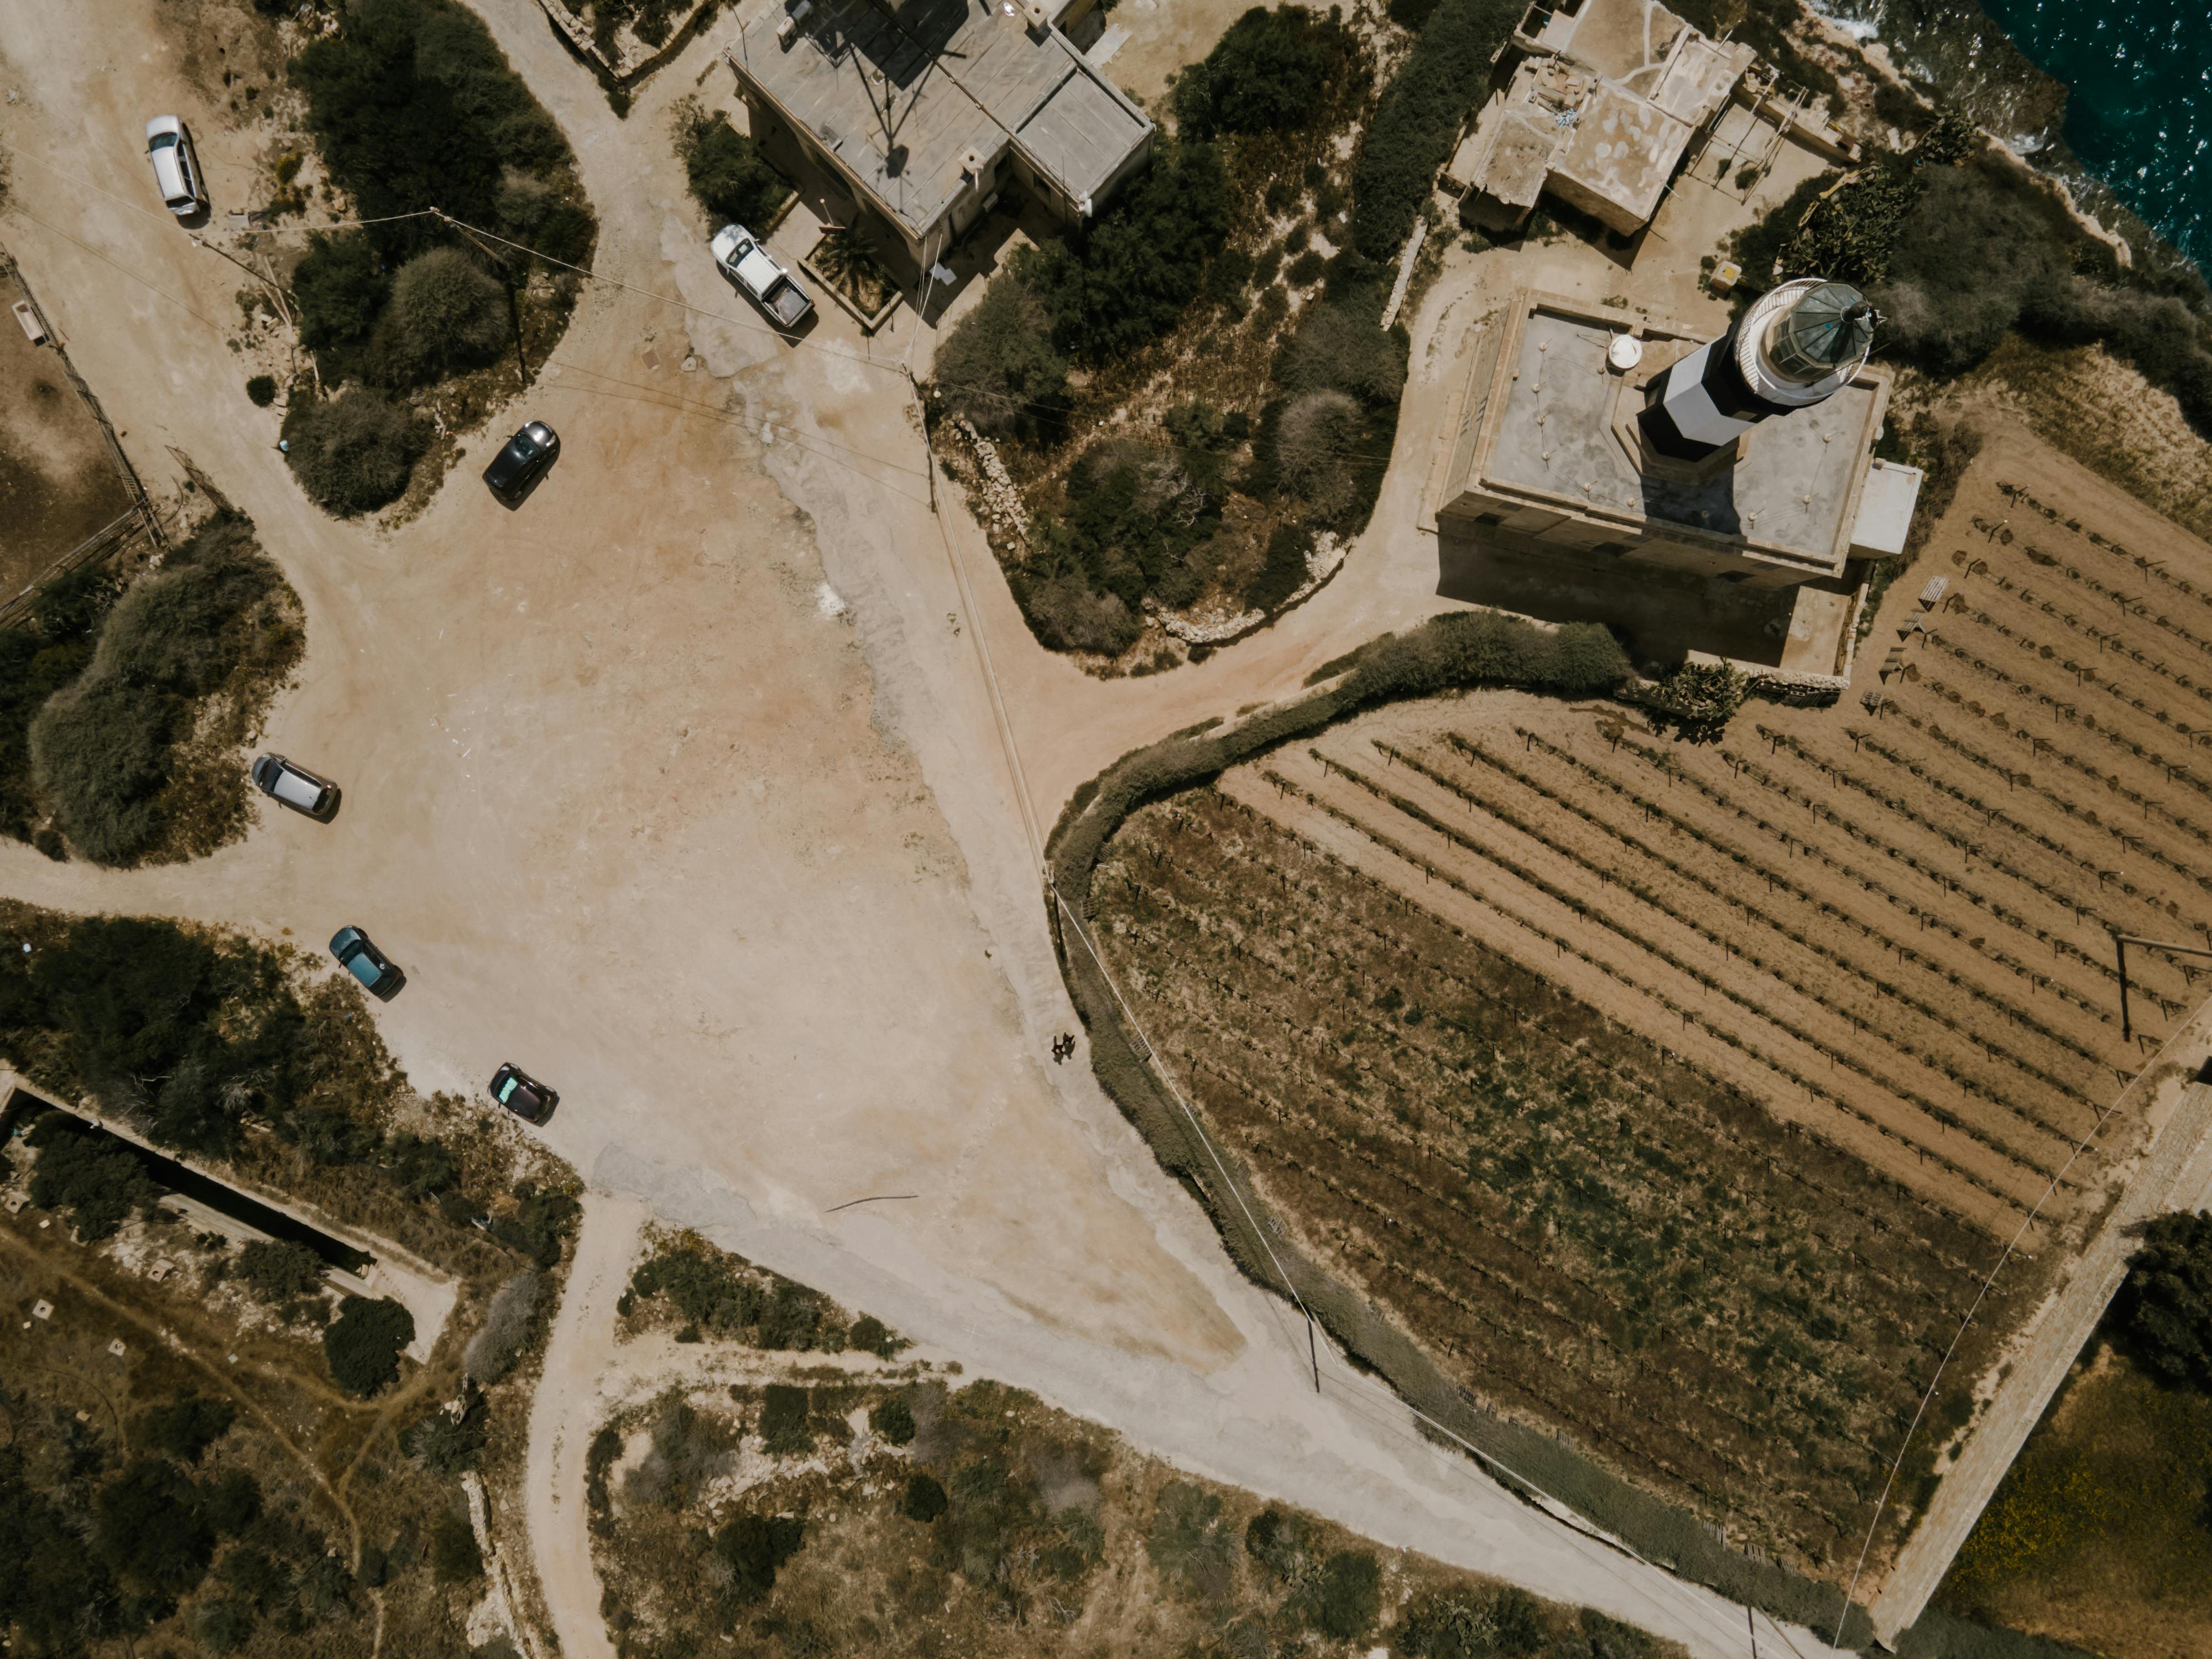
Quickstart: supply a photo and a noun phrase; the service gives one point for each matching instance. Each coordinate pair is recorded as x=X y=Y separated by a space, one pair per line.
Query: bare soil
x=59 y=487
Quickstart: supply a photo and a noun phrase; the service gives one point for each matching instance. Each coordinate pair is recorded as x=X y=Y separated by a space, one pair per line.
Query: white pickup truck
x=755 y=269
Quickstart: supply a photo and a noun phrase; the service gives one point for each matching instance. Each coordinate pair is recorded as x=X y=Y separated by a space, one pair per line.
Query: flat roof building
x=1550 y=451
x=929 y=108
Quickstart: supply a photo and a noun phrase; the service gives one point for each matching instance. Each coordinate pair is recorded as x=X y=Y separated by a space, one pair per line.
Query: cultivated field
x=1680 y=1097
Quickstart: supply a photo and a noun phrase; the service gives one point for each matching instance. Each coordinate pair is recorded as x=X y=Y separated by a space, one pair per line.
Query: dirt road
x=690 y=800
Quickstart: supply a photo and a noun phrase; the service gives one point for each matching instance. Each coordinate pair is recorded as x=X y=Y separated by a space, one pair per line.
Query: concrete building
x=1554 y=453
x=1602 y=111
x=926 y=110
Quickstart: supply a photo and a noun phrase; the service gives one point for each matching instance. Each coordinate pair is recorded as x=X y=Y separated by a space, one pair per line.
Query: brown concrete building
x=926 y=110
x=1548 y=456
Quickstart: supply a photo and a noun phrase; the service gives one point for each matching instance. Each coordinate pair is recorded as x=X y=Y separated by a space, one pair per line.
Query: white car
x=754 y=269
x=176 y=169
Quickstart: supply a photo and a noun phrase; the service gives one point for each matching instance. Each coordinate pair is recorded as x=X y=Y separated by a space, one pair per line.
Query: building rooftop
x=903 y=93
x=1548 y=433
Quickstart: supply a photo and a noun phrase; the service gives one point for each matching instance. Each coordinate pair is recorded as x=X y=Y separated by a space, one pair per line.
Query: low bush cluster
x=106 y=749
x=36 y=661
x=712 y=1292
x=97 y=1559
x=1446 y=75
x=729 y=177
x=498 y=1343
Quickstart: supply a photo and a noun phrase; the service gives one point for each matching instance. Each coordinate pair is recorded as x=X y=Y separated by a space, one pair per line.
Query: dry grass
x=1678 y=1098
x=2101 y=1536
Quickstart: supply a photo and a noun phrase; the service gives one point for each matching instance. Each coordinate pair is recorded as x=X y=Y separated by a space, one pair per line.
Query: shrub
x=1343 y=1599
x=445 y=314
x=354 y=453
x=96 y=1178
x=1268 y=73
x=2164 y=1311
x=405 y=99
x=997 y=368
x=729 y=177
x=1315 y=452
x=185 y=1427
x=892 y=1421
x=222 y=1623
x=1445 y=75
x=756 y=1547
x=446 y=1442
x=492 y=1352
x=924 y=1498
x=36 y=662
x=1277 y=1540
x=339 y=288
x=276 y=1270
x=1696 y=700
x=1464 y=1624
x=783 y=1424
x=103 y=751
x=1067 y=616
x=454 y=1557
x=363 y=1343
x=1127 y=279
x=871 y=1335
x=261 y=391
x=1484 y=648
x=1188 y=1545
x=149 y=1529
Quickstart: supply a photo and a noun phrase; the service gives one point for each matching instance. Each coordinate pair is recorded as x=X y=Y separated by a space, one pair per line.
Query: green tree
x=354 y=453
x=362 y=1344
x=185 y=1426
x=98 y=1179
x=1125 y=281
x=2164 y=1310
x=893 y=1420
x=1271 y=71
x=997 y=367
x=447 y=313
x=454 y=1557
x=924 y=1498
x=728 y=176
x=340 y=289
x=1417 y=119
x=279 y=1270
x=756 y=1547
x=149 y=1528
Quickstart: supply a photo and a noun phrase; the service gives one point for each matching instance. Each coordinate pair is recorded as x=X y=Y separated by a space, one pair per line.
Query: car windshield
x=163 y=141
x=506 y=1090
x=364 y=969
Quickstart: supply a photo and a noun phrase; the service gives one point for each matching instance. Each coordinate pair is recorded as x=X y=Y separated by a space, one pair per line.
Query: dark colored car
x=522 y=1094
x=523 y=462
x=367 y=963
x=280 y=780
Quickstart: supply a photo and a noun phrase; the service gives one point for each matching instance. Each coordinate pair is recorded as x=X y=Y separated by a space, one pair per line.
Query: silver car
x=176 y=169
x=294 y=787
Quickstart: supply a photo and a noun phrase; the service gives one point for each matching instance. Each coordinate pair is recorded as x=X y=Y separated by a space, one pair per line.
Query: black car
x=522 y=1094
x=523 y=462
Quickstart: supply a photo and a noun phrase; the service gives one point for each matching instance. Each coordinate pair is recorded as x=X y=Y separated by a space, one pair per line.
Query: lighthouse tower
x=1801 y=342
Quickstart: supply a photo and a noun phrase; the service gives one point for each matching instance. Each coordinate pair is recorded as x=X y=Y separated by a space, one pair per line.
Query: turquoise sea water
x=2140 y=113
